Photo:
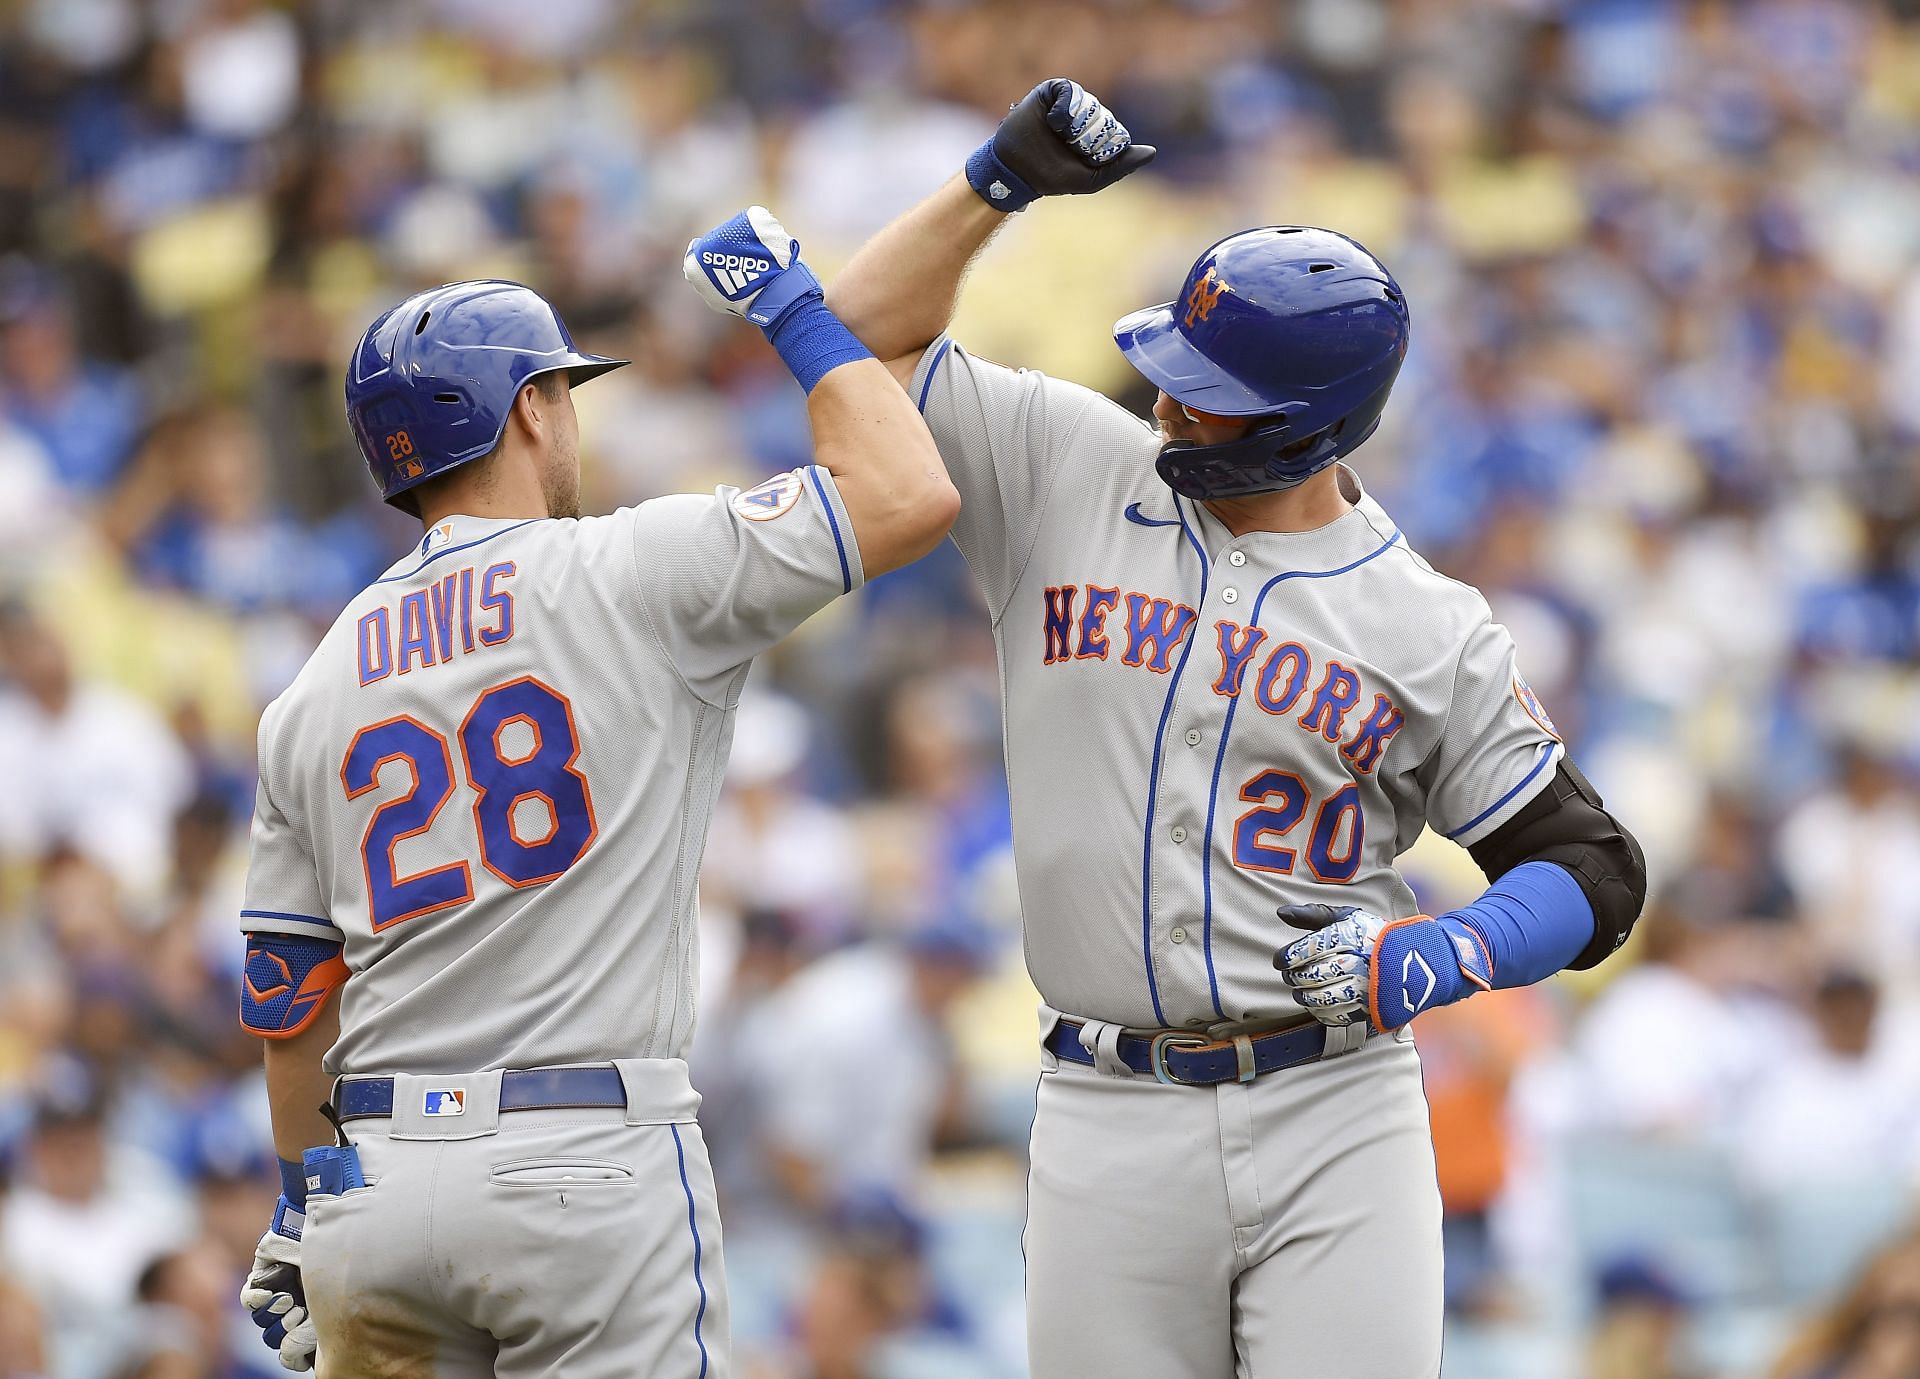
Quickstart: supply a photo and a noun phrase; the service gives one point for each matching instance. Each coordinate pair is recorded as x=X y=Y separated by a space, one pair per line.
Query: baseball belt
x=1181 y=1058
x=529 y=1089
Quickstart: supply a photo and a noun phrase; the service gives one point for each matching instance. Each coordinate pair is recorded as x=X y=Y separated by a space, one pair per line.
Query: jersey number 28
x=502 y=780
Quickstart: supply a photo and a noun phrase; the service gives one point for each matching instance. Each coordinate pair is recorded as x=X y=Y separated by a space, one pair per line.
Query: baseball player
x=1233 y=695
x=470 y=905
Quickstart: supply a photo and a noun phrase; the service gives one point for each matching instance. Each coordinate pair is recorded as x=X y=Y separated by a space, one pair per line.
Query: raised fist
x=750 y=267
x=1059 y=141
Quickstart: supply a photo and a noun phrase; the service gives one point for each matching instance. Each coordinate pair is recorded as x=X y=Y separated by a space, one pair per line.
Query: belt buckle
x=1157 y=1055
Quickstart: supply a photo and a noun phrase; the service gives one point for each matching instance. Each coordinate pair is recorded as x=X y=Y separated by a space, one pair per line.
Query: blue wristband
x=812 y=342
x=1534 y=921
x=998 y=185
x=293 y=1182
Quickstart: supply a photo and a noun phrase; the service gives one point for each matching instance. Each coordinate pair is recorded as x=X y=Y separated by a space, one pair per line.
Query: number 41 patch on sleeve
x=766 y=501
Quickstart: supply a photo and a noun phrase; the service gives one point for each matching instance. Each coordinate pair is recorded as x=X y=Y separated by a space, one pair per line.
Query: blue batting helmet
x=432 y=381
x=1300 y=328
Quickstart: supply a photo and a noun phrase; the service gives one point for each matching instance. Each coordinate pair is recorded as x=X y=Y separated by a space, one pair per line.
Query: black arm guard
x=1566 y=824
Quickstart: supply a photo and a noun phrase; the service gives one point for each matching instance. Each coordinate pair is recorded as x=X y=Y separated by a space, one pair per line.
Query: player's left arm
x=1568 y=879
x=1569 y=882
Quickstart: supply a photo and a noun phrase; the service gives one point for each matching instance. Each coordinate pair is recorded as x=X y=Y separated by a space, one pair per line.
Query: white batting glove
x=750 y=267
x=275 y=1295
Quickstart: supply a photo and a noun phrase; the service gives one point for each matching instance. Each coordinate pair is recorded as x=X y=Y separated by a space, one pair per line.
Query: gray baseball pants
x=1287 y=1228
x=577 y=1243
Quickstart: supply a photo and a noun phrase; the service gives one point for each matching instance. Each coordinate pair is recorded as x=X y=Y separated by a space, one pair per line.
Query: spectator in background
x=1468 y=1055
x=774 y=847
x=23 y=1350
x=87 y=766
x=1872 y=1332
x=1844 y=1108
x=1852 y=853
x=1673 y=1045
x=84 y=1222
x=879 y=1010
x=1640 y=1330
x=84 y=414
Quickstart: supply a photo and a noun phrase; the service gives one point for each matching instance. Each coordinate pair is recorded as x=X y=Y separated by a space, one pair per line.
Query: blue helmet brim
x=1153 y=344
x=580 y=367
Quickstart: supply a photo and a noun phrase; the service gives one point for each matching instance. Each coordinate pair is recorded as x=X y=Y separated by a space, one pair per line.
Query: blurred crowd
x=1663 y=405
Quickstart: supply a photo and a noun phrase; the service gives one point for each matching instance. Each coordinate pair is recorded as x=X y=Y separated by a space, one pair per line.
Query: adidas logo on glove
x=735 y=271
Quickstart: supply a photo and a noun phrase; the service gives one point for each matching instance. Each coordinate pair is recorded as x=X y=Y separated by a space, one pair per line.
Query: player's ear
x=532 y=411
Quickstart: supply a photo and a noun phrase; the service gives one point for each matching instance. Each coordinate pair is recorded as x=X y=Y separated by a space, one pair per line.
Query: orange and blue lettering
x=1339 y=691
x=498 y=602
x=376 y=652
x=1288 y=667
x=1154 y=628
x=1093 y=622
x=1059 y=621
x=1237 y=645
x=440 y=598
x=415 y=644
x=1382 y=722
x=466 y=609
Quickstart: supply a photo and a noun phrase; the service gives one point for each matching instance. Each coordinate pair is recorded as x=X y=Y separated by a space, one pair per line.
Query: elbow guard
x=1567 y=824
x=288 y=979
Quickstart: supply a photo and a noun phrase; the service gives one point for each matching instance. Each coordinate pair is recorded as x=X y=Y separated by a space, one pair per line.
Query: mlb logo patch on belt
x=445 y=1102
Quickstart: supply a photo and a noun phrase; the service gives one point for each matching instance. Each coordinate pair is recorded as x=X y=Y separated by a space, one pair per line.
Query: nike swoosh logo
x=1134 y=516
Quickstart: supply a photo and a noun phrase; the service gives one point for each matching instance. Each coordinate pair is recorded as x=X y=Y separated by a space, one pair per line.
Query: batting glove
x=1059 y=141
x=1357 y=966
x=275 y=1295
x=750 y=267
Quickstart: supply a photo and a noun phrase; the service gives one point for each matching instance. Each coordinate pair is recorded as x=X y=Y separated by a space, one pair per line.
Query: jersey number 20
x=502 y=782
x=1283 y=799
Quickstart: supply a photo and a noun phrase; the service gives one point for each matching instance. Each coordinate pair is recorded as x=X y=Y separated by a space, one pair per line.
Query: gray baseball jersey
x=493 y=778
x=1201 y=727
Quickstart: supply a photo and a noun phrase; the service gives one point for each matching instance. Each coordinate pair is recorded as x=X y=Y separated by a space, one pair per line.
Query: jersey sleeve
x=1498 y=748
x=1004 y=435
x=283 y=886
x=725 y=576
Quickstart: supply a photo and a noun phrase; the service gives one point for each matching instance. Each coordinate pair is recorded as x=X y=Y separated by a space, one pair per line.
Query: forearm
x=869 y=436
x=899 y=292
x=297 y=1086
x=1532 y=922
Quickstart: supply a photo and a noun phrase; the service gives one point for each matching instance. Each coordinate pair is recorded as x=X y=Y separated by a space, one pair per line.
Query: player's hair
x=475 y=471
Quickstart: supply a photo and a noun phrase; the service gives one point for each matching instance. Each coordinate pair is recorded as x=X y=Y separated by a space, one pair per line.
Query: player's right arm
x=886 y=472
x=289 y=997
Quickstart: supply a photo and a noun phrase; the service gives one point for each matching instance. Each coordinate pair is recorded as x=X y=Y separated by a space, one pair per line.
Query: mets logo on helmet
x=1200 y=300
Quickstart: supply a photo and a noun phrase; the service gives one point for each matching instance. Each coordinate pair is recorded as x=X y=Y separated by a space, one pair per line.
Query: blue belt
x=531 y=1089
x=1193 y=1060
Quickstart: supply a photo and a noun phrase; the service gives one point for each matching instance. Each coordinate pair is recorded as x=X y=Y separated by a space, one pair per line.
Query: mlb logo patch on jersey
x=445 y=1102
x=766 y=501
x=1531 y=703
